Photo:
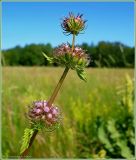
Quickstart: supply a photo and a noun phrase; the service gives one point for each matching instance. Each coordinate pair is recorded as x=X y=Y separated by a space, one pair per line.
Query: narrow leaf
x=81 y=74
x=26 y=139
x=49 y=59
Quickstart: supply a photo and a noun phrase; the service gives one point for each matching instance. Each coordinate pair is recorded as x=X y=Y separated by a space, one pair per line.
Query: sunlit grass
x=79 y=101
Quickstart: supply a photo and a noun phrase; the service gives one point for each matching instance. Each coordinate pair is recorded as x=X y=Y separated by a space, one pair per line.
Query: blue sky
x=39 y=22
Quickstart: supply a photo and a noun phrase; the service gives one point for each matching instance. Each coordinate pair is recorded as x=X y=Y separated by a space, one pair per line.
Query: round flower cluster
x=64 y=55
x=73 y=24
x=40 y=112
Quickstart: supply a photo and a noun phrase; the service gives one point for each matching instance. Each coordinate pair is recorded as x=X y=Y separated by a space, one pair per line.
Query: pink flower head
x=62 y=50
x=40 y=112
x=69 y=57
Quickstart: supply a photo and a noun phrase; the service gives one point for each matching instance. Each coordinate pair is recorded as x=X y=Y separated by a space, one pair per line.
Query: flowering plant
x=44 y=114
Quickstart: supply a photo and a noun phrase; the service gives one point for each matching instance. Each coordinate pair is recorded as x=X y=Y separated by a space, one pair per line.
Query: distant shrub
x=105 y=54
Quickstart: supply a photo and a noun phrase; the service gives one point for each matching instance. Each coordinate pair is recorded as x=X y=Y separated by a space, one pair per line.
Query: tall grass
x=80 y=103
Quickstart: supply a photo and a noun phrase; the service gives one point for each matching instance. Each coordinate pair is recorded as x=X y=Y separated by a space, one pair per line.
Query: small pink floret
x=38 y=110
x=67 y=46
x=49 y=115
x=76 y=20
x=38 y=104
x=45 y=104
x=54 y=111
x=46 y=109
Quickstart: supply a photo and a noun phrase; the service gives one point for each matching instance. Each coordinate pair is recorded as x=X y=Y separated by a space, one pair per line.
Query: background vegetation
x=97 y=115
x=105 y=54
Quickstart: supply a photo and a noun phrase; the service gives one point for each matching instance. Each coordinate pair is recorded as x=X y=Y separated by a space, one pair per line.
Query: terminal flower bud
x=73 y=24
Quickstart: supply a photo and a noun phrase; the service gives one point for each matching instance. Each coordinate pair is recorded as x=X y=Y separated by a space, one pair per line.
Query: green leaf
x=104 y=138
x=26 y=139
x=49 y=59
x=81 y=74
x=125 y=151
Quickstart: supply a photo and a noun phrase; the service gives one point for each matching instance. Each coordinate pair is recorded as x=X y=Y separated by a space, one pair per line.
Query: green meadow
x=85 y=107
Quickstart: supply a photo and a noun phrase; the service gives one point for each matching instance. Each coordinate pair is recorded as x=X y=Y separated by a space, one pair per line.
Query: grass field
x=80 y=102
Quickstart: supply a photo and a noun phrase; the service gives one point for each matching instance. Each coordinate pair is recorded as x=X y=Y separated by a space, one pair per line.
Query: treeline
x=104 y=54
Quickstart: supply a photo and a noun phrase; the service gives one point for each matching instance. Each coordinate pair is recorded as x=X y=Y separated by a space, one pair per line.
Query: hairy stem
x=73 y=42
x=55 y=92
x=25 y=153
